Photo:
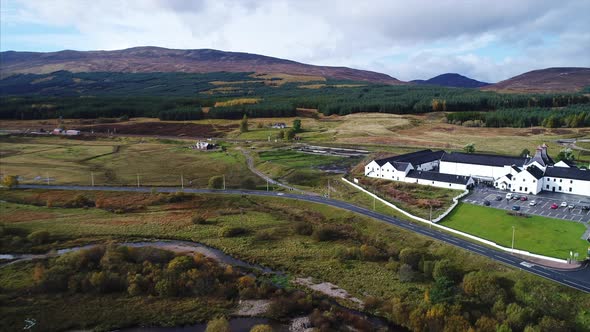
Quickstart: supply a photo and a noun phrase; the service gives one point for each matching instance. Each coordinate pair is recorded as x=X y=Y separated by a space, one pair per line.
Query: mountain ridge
x=145 y=59
x=553 y=79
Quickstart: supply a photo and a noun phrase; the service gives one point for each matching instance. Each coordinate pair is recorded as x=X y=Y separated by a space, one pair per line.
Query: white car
x=571 y=206
x=533 y=203
x=563 y=204
x=508 y=195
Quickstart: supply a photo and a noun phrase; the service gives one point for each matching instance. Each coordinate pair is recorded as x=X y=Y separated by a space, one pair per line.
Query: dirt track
x=162 y=129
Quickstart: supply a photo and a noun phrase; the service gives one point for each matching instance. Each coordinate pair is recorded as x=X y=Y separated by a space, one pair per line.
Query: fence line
x=451 y=230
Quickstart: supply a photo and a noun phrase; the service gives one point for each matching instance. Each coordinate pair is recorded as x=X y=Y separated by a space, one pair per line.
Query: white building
x=457 y=170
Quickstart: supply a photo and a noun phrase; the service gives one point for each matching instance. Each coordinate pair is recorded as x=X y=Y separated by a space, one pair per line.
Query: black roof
x=483 y=159
x=436 y=176
x=535 y=171
x=568 y=173
x=417 y=158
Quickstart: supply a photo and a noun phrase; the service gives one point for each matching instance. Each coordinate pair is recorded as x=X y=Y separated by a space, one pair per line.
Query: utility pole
x=182 y=181
x=137 y=180
x=223 y=181
x=47 y=177
x=430 y=216
x=512 y=239
x=373 y=203
x=92 y=178
x=328 y=188
x=266 y=184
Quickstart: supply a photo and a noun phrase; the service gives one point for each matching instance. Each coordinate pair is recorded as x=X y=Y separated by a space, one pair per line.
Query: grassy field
x=270 y=239
x=381 y=132
x=540 y=235
x=118 y=161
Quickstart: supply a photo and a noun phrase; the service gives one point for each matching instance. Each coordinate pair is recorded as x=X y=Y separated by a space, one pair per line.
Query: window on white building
x=570 y=189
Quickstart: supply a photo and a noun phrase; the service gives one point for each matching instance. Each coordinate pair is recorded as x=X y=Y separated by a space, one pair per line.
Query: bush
x=10 y=181
x=410 y=256
x=326 y=233
x=406 y=273
x=180 y=264
x=369 y=253
x=303 y=228
x=38 y=237
x=248 y=183
x=261 y=328
x=445 y=269
x=232 y=231
x=216 y=182
x=218 y=325
x=263 y=236
x=199 y=219
x=79 y=201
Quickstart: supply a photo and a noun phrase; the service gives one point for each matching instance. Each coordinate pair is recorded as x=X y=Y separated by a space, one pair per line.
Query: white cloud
x=407 y=40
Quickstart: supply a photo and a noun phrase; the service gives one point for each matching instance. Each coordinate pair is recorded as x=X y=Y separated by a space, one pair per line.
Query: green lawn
x=540 y=235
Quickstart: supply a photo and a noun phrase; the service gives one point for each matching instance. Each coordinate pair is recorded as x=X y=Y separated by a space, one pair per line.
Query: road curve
x=577 y=279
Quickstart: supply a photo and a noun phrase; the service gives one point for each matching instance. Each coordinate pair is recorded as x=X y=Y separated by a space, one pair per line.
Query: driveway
x=542 y=208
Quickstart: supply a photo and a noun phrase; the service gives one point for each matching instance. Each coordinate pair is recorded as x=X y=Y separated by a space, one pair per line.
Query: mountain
x=452 y=80
x=559 y=79
x=156 y=59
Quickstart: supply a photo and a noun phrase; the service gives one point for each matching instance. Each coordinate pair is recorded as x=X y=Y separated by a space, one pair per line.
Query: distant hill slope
x=452 y=80
x=559 y=79
x=156 y=59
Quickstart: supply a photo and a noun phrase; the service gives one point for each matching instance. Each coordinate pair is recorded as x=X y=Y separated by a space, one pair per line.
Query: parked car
x=571 y=206
x=515 y=197
x=563 y=204
x=585 y=207
x=508 y=195
x=498 y=197
x=486 y=202
x=515 y=208
x=554 y=206
x=533 y=203
x=524 y=198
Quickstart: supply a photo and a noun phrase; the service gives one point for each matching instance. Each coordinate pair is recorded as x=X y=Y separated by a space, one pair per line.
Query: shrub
x=326 y=233
x=410 y=256
x=369 y=253
x=199 y=219
x=261 y=328
x=180 y=263
x=79 y=201
x=216 y=182
x=303 y=228
x=294 y=304
x=38 y=237
x=248 y=183
x=10 y=181
x=263 y=236
x=445 y=269
x=166 y=287
x=218 y=325
x=232 y=231
x=406 y=273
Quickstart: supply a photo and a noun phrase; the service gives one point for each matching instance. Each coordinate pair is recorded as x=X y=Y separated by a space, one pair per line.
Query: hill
x=156 y=59
x=452 y=80
x=559 y=79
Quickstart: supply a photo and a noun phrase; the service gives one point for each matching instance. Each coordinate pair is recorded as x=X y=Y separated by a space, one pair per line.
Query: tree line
x=571 y=117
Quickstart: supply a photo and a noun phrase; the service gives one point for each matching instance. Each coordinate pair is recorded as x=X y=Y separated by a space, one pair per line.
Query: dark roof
x=400 y=166
x=416 y=158
x=516 y=169
x=535 y=171
x=568 y=173
x=509 y=176
x=436 y=176
x=483 y=159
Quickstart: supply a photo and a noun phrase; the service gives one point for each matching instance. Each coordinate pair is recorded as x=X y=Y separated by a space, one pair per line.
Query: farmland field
x=539 y=235
x=118 y=161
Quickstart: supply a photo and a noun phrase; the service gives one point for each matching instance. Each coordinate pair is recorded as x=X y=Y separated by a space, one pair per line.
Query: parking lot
x=543 y=207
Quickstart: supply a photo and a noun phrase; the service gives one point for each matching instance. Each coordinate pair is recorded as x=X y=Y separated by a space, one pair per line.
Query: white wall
x=427 y=166
x=578 y=187
x=525 y=183
x=437 y=183
x=472 y=170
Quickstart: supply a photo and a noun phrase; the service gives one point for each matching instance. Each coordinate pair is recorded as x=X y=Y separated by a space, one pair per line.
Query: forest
x=174 y=96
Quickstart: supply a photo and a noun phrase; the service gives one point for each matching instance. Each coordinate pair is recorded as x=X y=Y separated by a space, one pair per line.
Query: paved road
x=579 y=279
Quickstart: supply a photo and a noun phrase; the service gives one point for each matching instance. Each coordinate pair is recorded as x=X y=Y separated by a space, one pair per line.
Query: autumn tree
x=216 y=182
x=10 y=181
x=218 y=325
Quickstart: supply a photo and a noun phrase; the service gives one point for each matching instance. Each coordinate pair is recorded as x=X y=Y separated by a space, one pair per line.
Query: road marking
x=541 y=272
x=504 y=259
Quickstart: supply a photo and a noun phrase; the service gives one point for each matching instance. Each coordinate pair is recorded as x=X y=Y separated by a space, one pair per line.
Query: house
x=203 y=146
x=457 y=170
x=279 y=125
x=57 y=131
x=72 y=132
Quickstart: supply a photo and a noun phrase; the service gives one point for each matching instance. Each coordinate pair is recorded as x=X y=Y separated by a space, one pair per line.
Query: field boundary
x=451 y=230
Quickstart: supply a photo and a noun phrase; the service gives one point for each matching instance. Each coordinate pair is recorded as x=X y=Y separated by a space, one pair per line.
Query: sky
x=487 y=40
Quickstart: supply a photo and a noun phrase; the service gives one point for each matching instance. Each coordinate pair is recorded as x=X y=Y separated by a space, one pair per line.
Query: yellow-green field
x=118 y=161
